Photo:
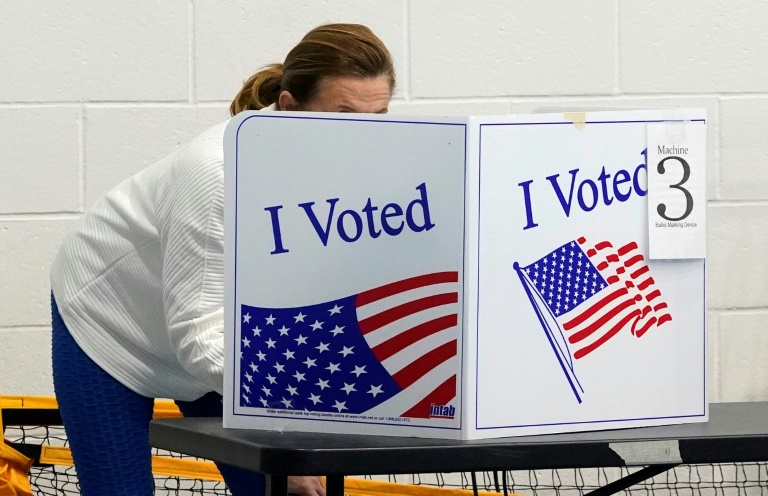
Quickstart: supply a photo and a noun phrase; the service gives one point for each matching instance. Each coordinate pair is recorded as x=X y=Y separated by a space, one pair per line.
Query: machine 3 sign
x=459 y=277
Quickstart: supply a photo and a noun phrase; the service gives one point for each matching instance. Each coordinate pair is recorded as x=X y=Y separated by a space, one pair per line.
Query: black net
x=727 y=479
x=61 y=480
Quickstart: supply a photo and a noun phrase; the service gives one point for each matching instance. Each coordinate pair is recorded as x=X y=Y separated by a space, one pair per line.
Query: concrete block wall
x=91 y=92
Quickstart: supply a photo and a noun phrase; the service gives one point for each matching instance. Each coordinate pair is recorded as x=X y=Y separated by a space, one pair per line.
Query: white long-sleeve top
x=139 y=282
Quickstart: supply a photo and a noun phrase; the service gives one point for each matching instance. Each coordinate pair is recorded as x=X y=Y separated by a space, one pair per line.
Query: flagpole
x=544 y=327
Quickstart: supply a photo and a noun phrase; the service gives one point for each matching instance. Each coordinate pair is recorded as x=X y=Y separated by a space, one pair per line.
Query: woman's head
x=335 y=68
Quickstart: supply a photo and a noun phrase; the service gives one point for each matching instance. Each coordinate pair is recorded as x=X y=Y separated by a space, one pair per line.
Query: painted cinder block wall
x=91 y=92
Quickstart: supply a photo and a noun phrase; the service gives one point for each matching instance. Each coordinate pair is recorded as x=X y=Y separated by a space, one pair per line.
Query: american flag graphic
x=585 y=294
x=391 y=349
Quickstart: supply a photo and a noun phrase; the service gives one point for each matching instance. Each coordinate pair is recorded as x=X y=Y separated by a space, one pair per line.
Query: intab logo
x=441 y=411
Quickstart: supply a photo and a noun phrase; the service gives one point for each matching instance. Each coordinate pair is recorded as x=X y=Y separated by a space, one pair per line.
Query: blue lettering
x=619 y=178
x=635 y=178
x=368 y=209
x=528 y=208
x=358 y=226
x=323 y=234
x=603 y=177
x=350 y=223
x=396 y=211
x=582 y=203
x=423 y=203
x=276 y=234
x=565 y=204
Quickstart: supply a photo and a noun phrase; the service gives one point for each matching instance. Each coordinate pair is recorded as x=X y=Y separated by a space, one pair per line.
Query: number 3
x=662 y=208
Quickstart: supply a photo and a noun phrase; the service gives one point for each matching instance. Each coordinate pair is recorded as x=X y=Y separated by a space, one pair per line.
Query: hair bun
x=259 y=91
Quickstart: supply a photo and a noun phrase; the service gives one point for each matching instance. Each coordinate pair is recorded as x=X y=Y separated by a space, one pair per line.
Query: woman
x=138 y=286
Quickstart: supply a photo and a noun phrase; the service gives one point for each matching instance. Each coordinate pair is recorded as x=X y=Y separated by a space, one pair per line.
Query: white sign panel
x=677 y=185
x=586 y=330
x=456 y=278
x=346 y=239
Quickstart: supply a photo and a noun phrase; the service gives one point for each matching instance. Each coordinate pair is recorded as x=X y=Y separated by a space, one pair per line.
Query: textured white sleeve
x=189 y=219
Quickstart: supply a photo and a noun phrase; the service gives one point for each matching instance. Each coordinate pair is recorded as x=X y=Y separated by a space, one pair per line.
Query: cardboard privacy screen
x=455 y=277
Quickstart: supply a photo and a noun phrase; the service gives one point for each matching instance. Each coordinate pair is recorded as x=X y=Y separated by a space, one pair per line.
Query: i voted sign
x=351 y=224
x=425 y=276
x=345 y=274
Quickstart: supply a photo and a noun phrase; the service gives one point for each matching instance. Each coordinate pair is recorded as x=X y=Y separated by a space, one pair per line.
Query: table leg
x=631 y=479
x=276 y=485
x=334 y=485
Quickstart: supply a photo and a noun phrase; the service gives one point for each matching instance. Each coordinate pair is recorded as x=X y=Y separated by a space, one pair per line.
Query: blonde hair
x=331 y=50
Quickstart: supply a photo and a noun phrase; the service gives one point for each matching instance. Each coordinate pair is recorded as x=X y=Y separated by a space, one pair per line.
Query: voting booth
x=465 y=277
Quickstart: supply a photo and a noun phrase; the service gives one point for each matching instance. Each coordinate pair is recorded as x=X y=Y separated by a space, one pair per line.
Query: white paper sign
x=677 y=190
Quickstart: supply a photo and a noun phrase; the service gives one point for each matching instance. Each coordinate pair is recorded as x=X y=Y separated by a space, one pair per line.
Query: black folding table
x=736 y=432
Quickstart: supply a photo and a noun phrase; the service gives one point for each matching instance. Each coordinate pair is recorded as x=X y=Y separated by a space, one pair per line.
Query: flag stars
x=286 y=403
x=298 y=376
x=270 y=343
x=359 y=370
x=247 y=318
x=322 y=384
x=317 y=325
x=347 y=351
x=336 y=309
x=279 y=367
x=298 y=318
x=291 y=390
x=283 y=331
x=340 y=405
x=300 y=340
x=247 y=388
x=262 y=356
x=257 y=331
x=333 y=367
x=247 y=400
x=246 y=342
x=249 y=377
x=288 y=354
x=270 y=320
x=322 y=347
x=376 y=390
x=315 y=399
x=272 y=379
x=254 y=367
x=349 y=388
x=310 y=362
x=264 y=402
x=337 y=330
x=266 y=391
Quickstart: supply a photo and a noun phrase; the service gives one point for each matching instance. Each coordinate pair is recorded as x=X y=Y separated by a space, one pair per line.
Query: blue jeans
x=107 y=425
